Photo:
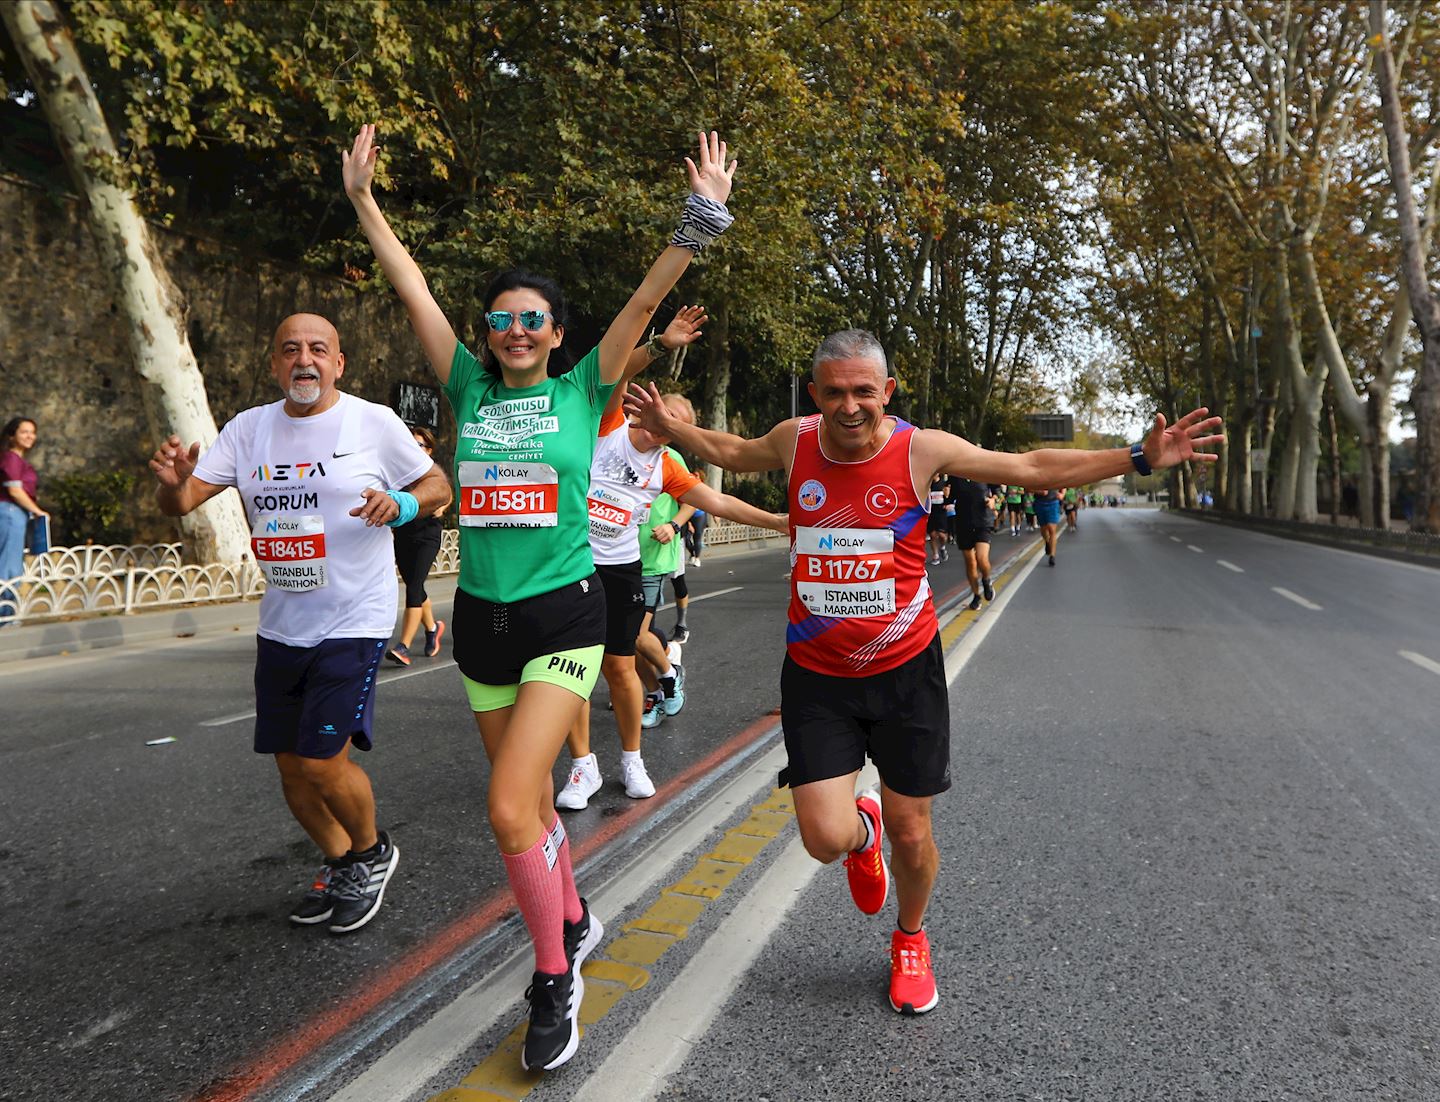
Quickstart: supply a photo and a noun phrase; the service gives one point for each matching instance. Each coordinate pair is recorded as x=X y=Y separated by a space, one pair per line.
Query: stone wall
x=65 y=360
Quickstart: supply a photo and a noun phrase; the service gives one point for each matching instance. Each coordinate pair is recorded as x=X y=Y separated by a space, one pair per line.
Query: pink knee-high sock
x=561 y=840
x=539 y=891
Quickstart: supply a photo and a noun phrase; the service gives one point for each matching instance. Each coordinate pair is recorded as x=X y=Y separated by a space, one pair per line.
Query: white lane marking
x=1231 y=566
x=702 y=597
x=1197 y=550
x=1176 y=539
x=222 y=721
x=665 y=1035
x=1420 y=660
x=1299 y=600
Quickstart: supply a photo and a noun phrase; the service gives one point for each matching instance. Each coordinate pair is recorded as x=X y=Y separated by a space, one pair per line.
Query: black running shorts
x=492 y=640
x=900 y=718
x=312 y=701
x=967 y=538
x=624 y=606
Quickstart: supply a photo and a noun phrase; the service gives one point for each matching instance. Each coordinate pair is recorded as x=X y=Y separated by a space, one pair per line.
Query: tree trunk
x=154 y=311
x=717 y=378
x=1425 y=394
x=1375 y=492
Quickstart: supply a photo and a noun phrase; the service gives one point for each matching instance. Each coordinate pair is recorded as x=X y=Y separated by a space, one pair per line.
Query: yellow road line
x=622 y=966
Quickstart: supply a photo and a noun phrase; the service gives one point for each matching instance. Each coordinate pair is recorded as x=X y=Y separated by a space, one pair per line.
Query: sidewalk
x=90 y=633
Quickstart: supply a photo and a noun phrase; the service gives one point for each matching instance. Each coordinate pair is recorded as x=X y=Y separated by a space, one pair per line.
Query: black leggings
x=416 y=545
x=680 y=586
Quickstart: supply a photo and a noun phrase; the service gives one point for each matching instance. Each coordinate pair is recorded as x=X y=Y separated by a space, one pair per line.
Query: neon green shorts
x=576 y=670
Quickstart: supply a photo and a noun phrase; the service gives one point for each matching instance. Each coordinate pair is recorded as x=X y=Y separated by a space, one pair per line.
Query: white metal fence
x=93 y=581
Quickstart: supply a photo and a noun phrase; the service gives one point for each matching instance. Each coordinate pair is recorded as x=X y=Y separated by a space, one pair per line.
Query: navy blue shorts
x=311 y=701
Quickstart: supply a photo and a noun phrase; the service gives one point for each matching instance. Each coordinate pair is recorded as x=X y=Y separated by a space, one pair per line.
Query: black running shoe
x=316 y=904
x=554 y=1032
x=988 y=588
x=359 y=885
x=1052 y=560
x=680 y=635
x=974 y=602
x=580 y=940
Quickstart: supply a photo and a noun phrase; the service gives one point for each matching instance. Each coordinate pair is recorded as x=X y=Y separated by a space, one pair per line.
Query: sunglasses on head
x=531 y=320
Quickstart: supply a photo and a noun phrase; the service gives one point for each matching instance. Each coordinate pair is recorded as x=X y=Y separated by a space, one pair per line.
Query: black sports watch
x=1138 y=460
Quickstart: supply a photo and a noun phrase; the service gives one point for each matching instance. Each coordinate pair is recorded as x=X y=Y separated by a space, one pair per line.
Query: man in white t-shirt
x=323 y=476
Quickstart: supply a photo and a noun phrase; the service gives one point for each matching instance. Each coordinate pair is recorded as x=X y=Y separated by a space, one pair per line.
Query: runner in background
x=416 y=545
x=631 y=468
x=864 y=672
x=1015 y=507
x=1073 y=500
x=1047 y=513
x=937 y=523
x=972 y=536
x=529 y=622
x=322 y=475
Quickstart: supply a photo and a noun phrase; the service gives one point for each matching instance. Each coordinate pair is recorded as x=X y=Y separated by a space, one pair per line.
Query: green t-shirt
x=656 y=557
x=1012 y=497
x=522 y=470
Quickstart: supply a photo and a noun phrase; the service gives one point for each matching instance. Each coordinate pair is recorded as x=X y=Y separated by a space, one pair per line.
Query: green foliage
x=90 y=508
x=763 y=493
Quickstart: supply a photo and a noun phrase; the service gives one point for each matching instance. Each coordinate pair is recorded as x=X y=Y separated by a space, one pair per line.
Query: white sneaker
x=584 y=782
x=638 y=785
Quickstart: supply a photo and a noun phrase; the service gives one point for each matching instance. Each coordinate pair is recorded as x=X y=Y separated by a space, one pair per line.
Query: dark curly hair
x=12 y=426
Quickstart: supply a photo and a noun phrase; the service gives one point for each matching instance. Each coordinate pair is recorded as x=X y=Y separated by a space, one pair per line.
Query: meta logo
x=495 y=471
x=288 y=472
x=811 y=495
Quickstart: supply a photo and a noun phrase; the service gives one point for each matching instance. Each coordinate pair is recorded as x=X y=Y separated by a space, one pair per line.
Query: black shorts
x=901 y=718
x=624 y=606
x=311 y=701
x=416 y=545
x=937 y=520
x=492 y=640
x=967 y=538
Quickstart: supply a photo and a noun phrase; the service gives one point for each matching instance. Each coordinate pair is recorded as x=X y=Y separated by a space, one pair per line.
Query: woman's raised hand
x=712 y=179
x=358 y=162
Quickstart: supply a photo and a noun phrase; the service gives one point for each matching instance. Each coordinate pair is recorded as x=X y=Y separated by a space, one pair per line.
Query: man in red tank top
x=864 y=671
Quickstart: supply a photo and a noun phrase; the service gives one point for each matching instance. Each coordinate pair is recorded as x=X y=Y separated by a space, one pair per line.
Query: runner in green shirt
x=529 y=619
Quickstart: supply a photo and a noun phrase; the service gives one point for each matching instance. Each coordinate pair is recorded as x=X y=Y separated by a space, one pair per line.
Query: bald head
x=308 y=327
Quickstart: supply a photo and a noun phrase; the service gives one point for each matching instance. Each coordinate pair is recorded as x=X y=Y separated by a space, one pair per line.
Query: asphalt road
x=144 y=888
x=1190 y=854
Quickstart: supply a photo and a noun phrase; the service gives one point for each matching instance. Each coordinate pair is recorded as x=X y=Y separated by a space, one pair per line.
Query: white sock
x=669 y=672
x=629 y=755
x=869 y=831
x=588 y=759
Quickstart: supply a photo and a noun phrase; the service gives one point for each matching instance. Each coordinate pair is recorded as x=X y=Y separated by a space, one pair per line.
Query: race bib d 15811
x=508 y=495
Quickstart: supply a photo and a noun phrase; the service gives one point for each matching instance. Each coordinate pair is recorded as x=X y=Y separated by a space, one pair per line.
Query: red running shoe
x=865 y=868
x=912 y=983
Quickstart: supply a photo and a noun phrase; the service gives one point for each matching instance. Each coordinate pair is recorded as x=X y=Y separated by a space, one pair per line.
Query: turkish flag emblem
x=881 y=501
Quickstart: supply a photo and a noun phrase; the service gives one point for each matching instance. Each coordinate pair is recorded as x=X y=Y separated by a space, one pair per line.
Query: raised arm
x=684 y=329
x=705 y=217
x=437 y=337
x=770 y=452
x=1164 y=446
x=732 y=508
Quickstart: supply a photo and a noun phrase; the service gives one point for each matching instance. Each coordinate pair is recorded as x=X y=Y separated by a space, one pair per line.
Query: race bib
x=845 y=572
x=290 y=551
x=508 y=495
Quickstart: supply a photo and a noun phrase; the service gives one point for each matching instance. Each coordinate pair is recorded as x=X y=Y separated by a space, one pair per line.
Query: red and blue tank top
x=860 y=602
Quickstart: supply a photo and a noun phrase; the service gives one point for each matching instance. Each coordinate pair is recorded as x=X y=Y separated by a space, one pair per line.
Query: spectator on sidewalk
x=18 y=508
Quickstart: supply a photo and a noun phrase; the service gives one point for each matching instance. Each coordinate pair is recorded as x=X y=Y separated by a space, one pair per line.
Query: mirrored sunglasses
x=531 y=320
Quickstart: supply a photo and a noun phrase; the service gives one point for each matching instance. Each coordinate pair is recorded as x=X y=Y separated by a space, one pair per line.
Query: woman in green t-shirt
x=529 y=619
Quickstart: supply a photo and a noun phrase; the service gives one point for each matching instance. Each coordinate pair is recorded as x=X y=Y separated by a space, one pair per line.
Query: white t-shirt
x=624 y=483
x=330 y=575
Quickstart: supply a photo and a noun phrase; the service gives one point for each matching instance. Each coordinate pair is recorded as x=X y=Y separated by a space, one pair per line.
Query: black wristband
x=1138 y=460
x=678 y=529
